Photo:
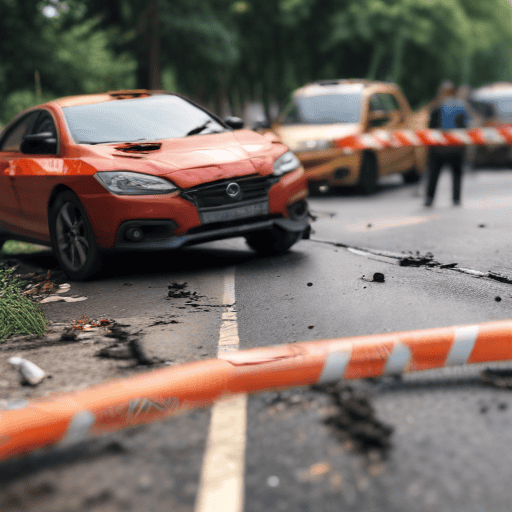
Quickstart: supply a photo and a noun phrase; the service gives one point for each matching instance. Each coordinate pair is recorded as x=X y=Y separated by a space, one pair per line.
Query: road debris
x=177 y=291
x=418 y=260
x=116 y=351
x=448 y=265
x=498 y=378
x=354 y=419
x=85 y=323
x=126 y=346
x=273 y=481
x=378 y=277
x=30 y=372
x=498 y=277
x=497 y=298
x=348 y=413
x=60 y=298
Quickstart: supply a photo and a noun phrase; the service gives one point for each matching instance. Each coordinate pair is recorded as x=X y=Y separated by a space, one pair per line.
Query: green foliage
x=72 y=54
x=20 y=100
x=18 y=313
x=231 y=51
x=17 y=247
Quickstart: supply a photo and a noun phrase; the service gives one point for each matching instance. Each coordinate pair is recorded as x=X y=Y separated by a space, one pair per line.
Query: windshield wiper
x=199 y=129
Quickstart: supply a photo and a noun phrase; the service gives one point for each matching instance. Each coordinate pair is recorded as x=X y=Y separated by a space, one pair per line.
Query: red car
x=143 y=170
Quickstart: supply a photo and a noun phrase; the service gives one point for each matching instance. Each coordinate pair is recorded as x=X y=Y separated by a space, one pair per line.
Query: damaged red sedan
x=143 y=170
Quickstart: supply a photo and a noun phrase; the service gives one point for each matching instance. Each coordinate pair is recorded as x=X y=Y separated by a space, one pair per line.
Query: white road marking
x=222 y=477
x=463 y=344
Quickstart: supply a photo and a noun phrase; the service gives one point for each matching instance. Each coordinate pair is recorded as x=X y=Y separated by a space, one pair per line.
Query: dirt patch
x=348 y=413
x=498 y=378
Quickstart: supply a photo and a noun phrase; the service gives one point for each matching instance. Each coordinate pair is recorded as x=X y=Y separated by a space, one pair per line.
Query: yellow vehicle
x=324 y=111
x=493 y=103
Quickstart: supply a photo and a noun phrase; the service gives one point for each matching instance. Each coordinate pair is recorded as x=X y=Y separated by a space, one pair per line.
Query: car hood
x=294 y=136
x=194 y=160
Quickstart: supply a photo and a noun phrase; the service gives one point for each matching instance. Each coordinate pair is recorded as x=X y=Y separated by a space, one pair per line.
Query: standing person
x=447 y=113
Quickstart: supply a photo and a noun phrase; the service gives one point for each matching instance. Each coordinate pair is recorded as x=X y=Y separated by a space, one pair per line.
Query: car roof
x=496 y=89
x=87 y=99
x=343 y=86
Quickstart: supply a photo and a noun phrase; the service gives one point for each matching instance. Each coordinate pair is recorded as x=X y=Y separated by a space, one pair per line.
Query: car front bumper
x=208 y=234
x=171 y=221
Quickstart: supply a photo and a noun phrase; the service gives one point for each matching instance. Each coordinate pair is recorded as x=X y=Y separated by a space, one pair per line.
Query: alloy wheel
x=72 y=236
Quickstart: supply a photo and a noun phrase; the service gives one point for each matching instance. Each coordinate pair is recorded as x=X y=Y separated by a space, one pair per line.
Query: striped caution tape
x=69 y=418
x=385 y=139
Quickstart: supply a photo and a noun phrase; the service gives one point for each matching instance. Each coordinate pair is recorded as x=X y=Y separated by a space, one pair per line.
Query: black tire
x=411 y=176
x=368 y=176
x=273 y=241
x=72 y=237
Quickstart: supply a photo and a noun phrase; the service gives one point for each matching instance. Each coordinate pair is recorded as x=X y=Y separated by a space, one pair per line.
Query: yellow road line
x=389 y=223
x=488 y=203
x=222 y=477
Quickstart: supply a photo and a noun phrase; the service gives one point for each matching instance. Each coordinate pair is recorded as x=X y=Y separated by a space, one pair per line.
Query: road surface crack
x=410 y=259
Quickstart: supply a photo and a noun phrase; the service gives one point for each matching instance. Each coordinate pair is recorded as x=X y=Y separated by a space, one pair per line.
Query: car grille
x=215 y=194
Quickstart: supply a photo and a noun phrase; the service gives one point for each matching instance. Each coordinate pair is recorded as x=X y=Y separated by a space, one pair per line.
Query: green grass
x=18 y=314
x=15 y=247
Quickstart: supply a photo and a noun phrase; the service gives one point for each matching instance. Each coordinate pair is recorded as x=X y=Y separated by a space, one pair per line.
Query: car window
x=44 y=123
x=11 y=141
x=389 y=102
x=502 y=105
x=160 y=116
x=325 y=109
x=375 y=103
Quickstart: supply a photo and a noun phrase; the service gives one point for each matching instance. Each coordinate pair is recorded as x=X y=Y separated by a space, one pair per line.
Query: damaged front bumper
x=158 y=235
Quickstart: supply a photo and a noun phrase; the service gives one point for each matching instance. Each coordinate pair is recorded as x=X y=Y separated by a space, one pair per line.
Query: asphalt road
x=450 y=433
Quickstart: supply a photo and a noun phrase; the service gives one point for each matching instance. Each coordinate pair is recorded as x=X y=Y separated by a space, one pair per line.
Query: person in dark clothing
x=447 y=113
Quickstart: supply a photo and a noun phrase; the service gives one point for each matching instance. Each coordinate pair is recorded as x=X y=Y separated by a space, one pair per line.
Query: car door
x=11 y=218
x=400 y=158
x=34 y=176
x=379 y=118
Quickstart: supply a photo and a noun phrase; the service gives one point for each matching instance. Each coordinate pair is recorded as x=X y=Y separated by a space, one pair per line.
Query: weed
x=18 y=314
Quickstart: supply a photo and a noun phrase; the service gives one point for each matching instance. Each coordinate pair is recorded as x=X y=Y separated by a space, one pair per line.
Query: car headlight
x=127 y=183
x=286 y=163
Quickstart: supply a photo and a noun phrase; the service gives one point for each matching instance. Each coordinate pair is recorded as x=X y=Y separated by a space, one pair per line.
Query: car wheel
x=72 y=237
x=368 y=175
x=411 y=176
x=272 y=241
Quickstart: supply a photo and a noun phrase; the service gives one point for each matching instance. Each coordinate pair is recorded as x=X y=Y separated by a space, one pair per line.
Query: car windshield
x=502 y=104
x=162 y=116
x=324 y=109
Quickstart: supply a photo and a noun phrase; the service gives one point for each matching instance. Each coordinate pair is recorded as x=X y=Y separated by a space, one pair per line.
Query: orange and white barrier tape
x=385 y=139
x=68 y=418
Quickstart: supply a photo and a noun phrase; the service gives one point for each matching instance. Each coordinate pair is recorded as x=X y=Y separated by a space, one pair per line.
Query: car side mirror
x=378 y=118
x=234 y=122
x=43 y=143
